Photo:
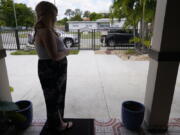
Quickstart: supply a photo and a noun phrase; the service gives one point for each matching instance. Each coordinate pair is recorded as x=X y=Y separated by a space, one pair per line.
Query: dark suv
x=117 y=38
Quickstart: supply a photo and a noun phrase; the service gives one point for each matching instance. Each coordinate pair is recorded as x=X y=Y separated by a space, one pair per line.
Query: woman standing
x=52 y=65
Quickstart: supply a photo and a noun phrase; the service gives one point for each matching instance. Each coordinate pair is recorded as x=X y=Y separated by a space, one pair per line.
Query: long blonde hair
x=45 y=12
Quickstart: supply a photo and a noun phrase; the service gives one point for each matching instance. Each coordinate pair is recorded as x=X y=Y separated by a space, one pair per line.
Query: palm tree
x=134 y=11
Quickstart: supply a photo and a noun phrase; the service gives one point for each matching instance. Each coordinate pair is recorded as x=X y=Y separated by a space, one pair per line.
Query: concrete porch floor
x=97 y=85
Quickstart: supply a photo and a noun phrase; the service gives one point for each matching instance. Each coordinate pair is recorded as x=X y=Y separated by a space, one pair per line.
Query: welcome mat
x=101 y=127
x=80 y=127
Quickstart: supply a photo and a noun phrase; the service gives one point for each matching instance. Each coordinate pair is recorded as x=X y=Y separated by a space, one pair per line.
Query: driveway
x=97 y=84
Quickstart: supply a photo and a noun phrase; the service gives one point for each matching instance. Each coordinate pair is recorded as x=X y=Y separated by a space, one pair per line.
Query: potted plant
x=26 y=110
x=132 y=114
x=8 y=115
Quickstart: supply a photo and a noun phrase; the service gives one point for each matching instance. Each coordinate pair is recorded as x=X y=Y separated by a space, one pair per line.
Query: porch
x=93 y=90
x=163 y=68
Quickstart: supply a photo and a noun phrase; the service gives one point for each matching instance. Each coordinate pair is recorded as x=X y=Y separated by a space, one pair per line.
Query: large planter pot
x=25 y=109
x=132 y=114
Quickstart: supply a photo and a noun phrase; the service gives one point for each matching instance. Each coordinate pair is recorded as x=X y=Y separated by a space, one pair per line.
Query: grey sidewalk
x=97 y=84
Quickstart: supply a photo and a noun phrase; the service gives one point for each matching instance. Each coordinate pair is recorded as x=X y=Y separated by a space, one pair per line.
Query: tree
x=77 y=12
x=25 y=15
x=75 y=15
x=7 y=12
x=76 y=18
x=134 y=11
x=2 y=22
x=87 y=14
x=69 y=13
x=62 y=21
x=106 y=15
x=94 y=16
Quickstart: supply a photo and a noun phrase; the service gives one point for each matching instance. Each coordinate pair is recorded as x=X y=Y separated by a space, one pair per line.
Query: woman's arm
x=47 y=37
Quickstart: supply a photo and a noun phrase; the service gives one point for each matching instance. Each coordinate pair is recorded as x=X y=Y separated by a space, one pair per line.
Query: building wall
x=83 y=25
x=117 y=24
x=99 y=24
x=102 y=25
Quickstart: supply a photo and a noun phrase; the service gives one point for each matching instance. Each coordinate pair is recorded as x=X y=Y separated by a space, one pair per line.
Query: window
x=75 y=25
x=88 y=25
x=104 y=25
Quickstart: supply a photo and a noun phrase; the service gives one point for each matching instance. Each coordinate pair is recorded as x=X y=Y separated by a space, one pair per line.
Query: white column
x=5 y=94
x=164 y=65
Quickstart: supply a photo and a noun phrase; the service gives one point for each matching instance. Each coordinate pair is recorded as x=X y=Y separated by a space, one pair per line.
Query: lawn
x=23 y=35
x=86 y=36
x=89 y=35
x=33 y=52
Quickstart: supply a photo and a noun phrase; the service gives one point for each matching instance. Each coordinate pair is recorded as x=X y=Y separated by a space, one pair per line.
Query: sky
x=91 y=5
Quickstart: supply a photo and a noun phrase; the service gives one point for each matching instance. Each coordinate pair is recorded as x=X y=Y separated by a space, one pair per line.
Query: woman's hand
x=62 y=54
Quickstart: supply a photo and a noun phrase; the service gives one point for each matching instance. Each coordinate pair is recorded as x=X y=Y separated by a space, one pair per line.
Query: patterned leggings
x=53 y=77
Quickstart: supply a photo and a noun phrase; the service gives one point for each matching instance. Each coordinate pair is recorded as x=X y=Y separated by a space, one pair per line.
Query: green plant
x=146 y=43
x=135 y=40
x=11 y=89
x=9 y=115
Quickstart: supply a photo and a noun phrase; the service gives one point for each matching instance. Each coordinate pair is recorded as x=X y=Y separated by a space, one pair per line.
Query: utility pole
x=15 y=17
x=54 y=2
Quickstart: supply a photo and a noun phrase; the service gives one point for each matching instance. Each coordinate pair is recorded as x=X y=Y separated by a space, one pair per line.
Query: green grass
x=73 y=33
x=89 y=35
x=97 y=46
x=33 y=52
x=5 y=32
x=131 y=52
x=73 y=52
x=23 y=36
x=23 y=52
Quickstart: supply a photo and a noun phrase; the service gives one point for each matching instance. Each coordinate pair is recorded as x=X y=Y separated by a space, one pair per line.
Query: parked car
x=69 y=39
x=117 y=38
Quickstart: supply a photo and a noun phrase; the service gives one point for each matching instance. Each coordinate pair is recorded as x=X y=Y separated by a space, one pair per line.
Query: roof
x=82 y=22
x=108 y=19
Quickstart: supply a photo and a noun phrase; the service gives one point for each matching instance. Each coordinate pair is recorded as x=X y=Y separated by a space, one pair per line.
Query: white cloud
x=91 y=5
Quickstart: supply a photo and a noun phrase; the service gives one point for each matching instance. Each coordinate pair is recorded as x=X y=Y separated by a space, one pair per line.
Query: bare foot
x=65 y=126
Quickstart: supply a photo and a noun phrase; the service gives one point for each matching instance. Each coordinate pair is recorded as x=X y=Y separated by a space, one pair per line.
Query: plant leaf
x=8 y=106
x=16 y=117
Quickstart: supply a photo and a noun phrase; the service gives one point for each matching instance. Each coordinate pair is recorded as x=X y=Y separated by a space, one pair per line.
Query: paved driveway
x=97 y=84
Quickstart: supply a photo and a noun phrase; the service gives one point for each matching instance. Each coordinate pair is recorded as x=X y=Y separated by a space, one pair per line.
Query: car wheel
x=68 y=43
x=111 y=43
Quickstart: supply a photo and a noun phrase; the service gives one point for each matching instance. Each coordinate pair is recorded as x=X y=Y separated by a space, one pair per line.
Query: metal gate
x=74 y=39
x=14 y=39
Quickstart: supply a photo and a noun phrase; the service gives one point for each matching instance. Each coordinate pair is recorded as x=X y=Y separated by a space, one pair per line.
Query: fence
x=75 y=39
x=15 y=39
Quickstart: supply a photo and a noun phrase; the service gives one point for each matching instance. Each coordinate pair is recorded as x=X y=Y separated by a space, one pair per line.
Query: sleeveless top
x=42 y=51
